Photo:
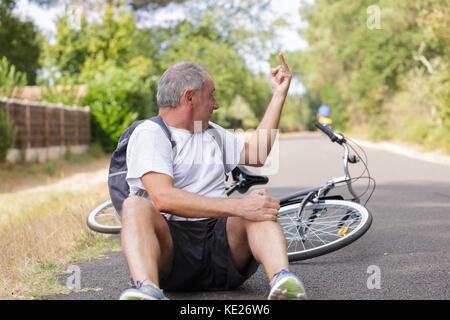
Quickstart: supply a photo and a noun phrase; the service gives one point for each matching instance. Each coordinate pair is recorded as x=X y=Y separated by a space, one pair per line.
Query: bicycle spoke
x=320 y=239
x=319 y=226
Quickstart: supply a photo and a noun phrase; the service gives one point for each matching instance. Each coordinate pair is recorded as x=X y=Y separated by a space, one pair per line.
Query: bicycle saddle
x=245 y=178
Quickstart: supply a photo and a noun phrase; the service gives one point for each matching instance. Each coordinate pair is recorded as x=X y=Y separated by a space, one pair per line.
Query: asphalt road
x=404 y=255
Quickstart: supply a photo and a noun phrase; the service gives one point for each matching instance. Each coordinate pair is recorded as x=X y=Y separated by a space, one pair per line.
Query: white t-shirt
x=196 y=165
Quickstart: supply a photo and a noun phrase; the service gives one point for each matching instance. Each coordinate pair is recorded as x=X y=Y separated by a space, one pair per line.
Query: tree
x=115 y=40
x=19 y=41
x=106 y=52
x=95 y=5
x=81 y=52
x=392 y=79
x=203 y=44
x=117 y=97
x=351 y=66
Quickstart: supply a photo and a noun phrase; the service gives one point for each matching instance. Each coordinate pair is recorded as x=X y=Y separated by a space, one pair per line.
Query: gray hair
x=178 y=78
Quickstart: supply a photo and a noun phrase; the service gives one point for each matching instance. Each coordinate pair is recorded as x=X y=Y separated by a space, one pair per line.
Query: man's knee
x=263 y=225
x=239 y=227
x=135 y=206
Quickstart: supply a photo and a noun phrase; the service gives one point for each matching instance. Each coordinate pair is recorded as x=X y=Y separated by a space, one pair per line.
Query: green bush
x=7 y=134
x=10 y=79
x=117 y=97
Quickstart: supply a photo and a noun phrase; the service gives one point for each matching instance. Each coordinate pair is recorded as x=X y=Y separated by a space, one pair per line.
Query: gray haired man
x=180 y=232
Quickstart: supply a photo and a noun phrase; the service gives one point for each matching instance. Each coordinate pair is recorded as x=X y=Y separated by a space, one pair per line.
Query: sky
x=45 y=18
x=289 y=38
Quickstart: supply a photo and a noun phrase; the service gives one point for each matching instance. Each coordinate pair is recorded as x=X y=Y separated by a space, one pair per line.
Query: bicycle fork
x=302 y=228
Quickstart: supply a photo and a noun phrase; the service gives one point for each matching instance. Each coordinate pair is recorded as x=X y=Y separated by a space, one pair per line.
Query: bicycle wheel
x=104 y=219
x=323 y=227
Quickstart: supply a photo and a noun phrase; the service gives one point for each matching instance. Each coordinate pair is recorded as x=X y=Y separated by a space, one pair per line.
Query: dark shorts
x=202 y=259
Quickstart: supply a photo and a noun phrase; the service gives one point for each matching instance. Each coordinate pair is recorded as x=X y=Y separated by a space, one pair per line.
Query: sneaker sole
x=136 y=296
x=288 y=290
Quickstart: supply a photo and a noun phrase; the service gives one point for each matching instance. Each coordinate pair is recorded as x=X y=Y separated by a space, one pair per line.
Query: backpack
x=117 y=183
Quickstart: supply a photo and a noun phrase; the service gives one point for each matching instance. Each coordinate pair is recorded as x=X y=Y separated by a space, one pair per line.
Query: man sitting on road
x=179 y=229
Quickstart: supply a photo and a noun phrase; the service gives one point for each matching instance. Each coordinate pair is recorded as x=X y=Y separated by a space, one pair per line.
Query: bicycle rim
x=104 y=219
x=324 y=227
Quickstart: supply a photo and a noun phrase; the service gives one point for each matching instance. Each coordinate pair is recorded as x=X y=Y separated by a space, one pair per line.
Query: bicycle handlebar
x=334 y=137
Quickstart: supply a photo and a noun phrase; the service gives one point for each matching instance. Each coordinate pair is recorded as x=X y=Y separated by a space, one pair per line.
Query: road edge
x=414 y=152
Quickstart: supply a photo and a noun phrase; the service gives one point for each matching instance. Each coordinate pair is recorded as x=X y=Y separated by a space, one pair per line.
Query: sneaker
x=286 y=286
x=145 y=292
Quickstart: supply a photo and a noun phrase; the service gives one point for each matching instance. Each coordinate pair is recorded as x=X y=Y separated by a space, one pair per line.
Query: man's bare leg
x=146 y=240
x=265 y=240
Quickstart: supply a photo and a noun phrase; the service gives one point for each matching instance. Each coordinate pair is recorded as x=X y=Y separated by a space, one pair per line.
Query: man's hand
x=259 y=206
x=280 y=77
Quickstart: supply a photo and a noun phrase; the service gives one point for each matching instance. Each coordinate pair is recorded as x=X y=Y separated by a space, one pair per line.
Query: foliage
x=20 y=42
x=237 y=115
x=244 y=24
x=82 y=51
x=231 y=77
x=11 y=80
x=420 y=111
x=361 y=72
x=298 y=113
x=134 y=4
x=105 y=55
x=65 y=92
x=7 y=134
x=218 y=35
x=122 y=63
x=117 y=97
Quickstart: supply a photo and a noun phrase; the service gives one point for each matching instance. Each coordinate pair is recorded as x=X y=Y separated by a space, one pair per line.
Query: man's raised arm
x=257 y=149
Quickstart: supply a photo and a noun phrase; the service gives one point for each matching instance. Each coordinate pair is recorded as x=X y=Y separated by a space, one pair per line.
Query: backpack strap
x=162 y=124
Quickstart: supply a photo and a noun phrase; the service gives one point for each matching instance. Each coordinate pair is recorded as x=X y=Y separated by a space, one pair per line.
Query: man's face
x=205 y=102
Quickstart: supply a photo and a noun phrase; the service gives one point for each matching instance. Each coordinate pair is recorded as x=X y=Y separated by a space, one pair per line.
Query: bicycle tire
x=326 y=232
x=104 y=219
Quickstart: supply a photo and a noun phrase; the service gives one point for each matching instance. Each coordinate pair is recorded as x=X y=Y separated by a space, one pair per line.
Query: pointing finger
x=283 y=62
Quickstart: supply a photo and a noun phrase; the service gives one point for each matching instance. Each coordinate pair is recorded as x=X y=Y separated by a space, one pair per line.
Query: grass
x=43 y=225
x=41 y=279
